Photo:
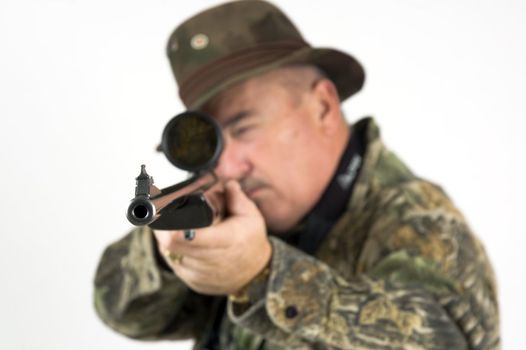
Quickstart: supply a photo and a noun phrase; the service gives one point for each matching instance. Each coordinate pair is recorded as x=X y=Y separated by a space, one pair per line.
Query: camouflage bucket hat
x=238 y=40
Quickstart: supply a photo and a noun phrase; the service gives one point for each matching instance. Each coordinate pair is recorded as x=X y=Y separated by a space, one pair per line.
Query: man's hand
x=222 y=258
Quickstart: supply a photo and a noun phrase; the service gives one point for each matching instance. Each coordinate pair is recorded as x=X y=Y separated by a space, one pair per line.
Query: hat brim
x=345 y=72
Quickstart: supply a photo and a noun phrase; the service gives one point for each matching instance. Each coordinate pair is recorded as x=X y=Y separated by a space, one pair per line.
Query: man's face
x=274 y=147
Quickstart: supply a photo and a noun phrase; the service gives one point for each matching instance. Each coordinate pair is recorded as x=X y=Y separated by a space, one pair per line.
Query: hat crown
x=226 y=29
x=233 y=42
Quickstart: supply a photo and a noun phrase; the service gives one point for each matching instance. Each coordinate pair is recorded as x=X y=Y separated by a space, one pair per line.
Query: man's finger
x=208 y=237
x=163 y=237
x=173 y=240
x=237 y=201
x=195 y=251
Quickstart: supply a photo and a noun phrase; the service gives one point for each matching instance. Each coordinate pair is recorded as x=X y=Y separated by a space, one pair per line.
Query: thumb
x=237 y=202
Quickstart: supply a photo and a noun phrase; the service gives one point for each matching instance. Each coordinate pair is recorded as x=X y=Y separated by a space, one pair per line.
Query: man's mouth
x=252 y=187
x=251 y=192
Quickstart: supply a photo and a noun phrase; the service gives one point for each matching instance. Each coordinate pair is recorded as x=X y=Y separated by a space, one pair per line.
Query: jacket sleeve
x=422 y=285
x=136 y=296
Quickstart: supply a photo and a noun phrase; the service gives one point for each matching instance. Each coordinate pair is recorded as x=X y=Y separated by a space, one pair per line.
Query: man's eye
x=241 y=130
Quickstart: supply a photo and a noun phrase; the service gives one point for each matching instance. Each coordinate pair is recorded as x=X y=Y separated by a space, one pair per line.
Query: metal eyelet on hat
x=199 y=41
x=174 y=46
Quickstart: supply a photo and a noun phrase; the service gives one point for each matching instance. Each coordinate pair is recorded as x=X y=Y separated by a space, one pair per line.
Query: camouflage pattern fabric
x=401 y=269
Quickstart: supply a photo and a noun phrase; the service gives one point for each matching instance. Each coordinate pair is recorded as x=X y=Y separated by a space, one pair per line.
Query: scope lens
x=192 y=141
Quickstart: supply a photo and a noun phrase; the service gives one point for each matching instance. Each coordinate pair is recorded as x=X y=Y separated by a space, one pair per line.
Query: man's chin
x=276 y=222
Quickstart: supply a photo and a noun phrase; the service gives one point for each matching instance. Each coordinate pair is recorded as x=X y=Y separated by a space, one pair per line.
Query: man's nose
x=233 y=163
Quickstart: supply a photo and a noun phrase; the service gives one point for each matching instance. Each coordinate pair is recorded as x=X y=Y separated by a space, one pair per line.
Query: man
x=330 y=241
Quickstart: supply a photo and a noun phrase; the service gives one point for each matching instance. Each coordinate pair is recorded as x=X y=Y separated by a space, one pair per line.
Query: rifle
x=191 y=141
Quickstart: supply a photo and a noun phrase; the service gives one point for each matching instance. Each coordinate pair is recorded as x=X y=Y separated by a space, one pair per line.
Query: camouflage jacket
x=400 y=269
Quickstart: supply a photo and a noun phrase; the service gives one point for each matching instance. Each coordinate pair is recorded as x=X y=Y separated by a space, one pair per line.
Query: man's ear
x=327 y=105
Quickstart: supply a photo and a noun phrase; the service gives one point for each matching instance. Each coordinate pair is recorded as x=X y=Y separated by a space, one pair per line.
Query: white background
x=85 y=90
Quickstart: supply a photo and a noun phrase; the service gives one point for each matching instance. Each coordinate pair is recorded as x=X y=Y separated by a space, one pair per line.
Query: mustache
x=249 y=184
